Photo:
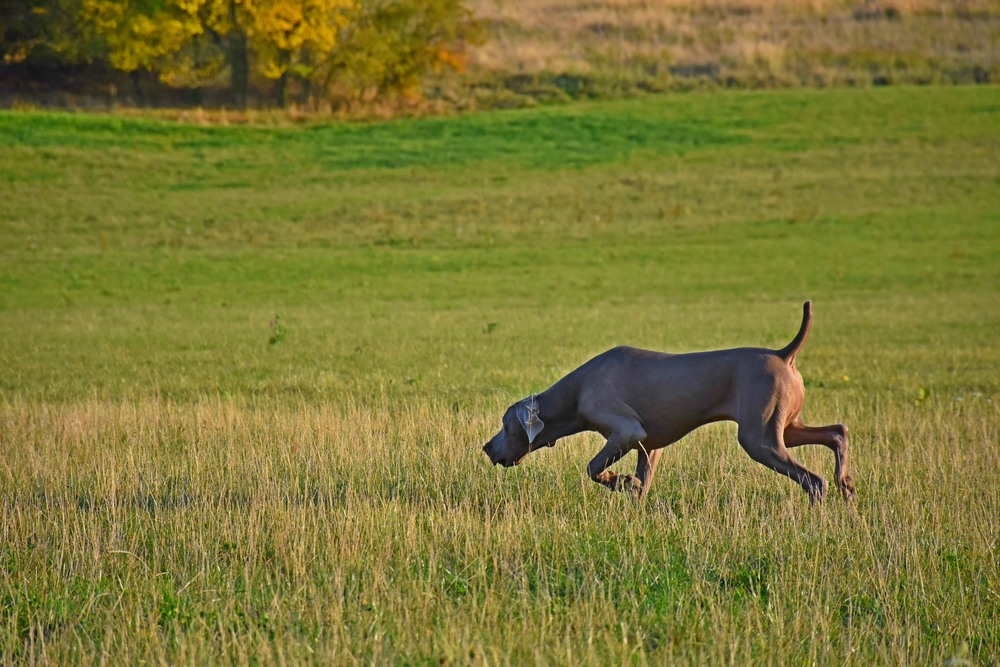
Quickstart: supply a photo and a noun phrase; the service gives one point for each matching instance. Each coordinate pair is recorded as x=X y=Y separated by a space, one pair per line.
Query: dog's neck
x=557 y=410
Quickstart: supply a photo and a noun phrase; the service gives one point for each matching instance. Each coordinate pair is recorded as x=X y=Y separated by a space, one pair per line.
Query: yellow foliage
x=383 y=46
x=290 y=33
x=282 y=34
x=19 y=55
x=136 y=40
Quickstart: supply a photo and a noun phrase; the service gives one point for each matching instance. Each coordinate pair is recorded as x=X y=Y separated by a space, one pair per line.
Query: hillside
x=554 y=49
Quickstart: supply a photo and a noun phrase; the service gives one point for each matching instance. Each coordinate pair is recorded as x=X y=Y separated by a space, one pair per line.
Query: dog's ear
x=527 y=414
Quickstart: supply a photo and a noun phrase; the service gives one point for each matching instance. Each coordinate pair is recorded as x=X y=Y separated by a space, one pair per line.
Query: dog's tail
x=789 y=351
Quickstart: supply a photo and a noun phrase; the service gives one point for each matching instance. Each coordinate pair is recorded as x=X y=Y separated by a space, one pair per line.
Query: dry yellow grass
x=676 y=43
x=226 y=531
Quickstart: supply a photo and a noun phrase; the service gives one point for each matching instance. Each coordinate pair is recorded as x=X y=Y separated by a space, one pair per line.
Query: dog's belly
x=664 y=432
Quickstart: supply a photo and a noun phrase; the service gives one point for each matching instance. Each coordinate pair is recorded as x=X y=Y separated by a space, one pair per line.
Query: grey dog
x=641 y=400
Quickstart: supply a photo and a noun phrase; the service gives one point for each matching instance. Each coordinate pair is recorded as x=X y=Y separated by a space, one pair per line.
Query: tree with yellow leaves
x=152 y=36
x=289 y=37
x=349 y=51
x=391 y=44
x=189 y=42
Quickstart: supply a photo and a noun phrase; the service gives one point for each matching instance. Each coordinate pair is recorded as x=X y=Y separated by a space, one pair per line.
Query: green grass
x=176 y=488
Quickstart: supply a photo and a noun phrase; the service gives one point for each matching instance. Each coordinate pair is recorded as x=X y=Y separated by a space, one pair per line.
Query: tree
x=182 y=41
x=45 y=31
x=351 y=49
x=390 y=45
x=189 y=42
x=290 y=36
x=150 y=35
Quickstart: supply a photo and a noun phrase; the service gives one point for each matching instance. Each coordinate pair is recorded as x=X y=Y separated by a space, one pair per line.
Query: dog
x=642 y=400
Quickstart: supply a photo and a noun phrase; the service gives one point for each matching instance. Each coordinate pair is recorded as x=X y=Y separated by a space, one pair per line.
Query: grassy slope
x=554 y=49
x=169 y=472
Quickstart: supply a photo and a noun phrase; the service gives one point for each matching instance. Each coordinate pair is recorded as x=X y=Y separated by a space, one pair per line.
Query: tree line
x=341 y=51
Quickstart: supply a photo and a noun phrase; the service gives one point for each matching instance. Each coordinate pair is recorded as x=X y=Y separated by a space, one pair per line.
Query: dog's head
x=519 y=434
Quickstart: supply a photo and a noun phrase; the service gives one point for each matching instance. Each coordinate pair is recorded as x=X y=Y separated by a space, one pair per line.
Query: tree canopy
x=345 y=50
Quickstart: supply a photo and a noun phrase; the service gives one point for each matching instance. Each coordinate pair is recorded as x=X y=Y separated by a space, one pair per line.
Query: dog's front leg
x=620 y=442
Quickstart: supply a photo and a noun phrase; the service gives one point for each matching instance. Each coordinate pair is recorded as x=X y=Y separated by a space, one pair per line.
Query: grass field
x=561 y=49
x=247 y=373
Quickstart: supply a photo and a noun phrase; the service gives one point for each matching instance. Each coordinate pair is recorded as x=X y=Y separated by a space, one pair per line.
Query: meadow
x=562 y=49
x=247 y=373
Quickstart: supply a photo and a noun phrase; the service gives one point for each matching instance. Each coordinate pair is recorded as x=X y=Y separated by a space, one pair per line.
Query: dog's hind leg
x=834 y=437
x=765 y=445
x=645 y=468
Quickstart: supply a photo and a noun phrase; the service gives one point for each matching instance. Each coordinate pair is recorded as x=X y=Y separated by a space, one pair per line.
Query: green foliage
x=392 y=44
x=46 y=32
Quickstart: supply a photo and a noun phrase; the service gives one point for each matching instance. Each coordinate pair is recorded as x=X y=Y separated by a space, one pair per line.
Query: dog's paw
x=629 y=484
x=847 y=488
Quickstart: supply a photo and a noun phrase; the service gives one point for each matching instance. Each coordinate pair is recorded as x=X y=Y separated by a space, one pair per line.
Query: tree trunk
x=239 y=62
x=137 y=88
x=282 y=89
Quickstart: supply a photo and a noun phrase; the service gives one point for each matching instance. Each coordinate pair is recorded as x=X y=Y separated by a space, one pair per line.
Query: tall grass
x=153 y=531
